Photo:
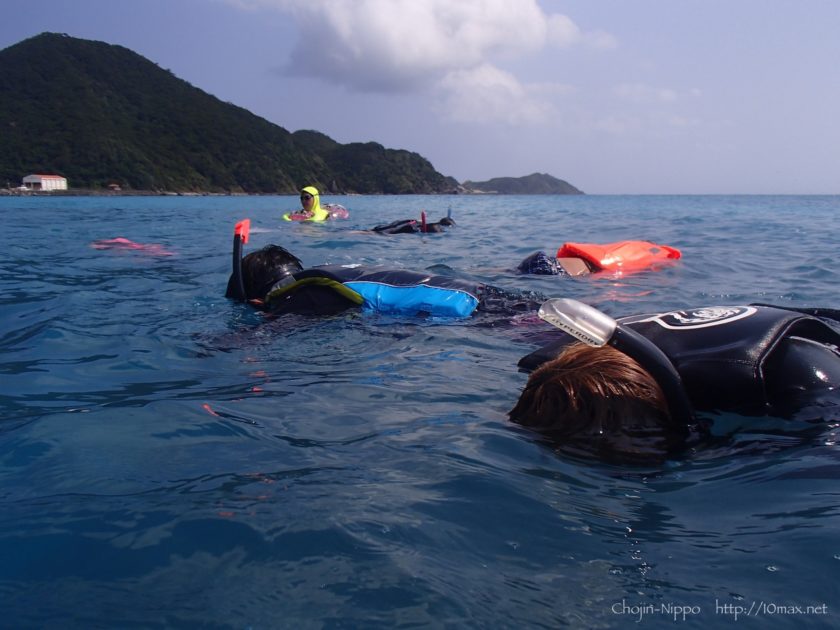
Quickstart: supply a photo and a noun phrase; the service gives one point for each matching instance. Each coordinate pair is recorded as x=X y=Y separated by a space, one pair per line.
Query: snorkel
x=240 y=237
x=589 y=325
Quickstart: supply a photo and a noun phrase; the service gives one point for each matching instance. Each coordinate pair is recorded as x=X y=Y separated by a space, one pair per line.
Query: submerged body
x=752 y=359
x=123 y=244
x=636 y=396
x=412 y=226
x=274 y=280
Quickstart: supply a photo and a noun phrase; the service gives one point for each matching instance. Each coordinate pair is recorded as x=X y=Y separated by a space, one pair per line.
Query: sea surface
x=168 y=459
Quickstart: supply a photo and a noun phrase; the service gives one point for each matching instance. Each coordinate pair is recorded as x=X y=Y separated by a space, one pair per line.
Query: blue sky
x=614 y=96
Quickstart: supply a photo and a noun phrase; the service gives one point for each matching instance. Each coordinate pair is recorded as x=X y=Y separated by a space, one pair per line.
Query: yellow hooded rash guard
x=318 y=213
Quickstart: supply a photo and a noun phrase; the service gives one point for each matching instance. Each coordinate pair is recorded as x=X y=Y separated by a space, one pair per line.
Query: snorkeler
x=312 y=209
x=577 y=259
x=647 y=375
x=540 y=263
x=412 y=226
x=274 y=280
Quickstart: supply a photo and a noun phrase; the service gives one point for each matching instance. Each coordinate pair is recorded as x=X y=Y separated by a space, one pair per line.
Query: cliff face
x=101 y=114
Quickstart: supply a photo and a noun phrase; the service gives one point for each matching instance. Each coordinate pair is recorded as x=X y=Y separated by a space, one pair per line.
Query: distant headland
x=112 y=122
x=535 y=184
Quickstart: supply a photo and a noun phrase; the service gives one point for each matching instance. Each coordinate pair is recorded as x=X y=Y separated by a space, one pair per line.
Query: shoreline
x=80 y=192
x=84 y=192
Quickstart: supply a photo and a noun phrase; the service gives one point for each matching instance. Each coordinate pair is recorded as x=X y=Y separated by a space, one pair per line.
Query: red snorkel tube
x=240 y=237
x=423 y=221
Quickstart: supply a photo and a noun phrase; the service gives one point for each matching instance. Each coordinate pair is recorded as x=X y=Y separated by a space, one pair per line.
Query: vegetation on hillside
x=100 y=114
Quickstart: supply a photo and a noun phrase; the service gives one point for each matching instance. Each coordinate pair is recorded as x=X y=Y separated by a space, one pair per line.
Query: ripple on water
x=163 y=449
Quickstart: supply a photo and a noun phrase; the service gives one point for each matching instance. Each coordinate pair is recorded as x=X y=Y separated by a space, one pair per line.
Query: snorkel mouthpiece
x=589 y=325
x=581 y=321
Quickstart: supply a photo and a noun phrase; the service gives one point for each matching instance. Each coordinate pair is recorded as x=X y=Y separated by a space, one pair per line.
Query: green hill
x=101 y=114
x=373 y=168
x=535 y=184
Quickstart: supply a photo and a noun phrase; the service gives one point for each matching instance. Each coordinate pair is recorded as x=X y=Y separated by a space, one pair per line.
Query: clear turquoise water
x=168 y=460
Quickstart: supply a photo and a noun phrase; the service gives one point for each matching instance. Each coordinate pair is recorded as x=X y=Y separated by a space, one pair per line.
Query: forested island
x=107 y=118
x=535 y=184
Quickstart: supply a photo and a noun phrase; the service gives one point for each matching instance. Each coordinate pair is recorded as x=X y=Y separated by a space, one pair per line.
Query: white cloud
x=563 y=32
x=601 y=40
x=487 y=94
x=405 y=45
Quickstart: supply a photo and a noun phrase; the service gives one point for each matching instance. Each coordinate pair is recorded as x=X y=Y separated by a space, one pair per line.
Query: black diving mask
x=282 y=276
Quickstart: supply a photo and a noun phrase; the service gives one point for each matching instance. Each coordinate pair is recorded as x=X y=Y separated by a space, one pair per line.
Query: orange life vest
x=620 y=256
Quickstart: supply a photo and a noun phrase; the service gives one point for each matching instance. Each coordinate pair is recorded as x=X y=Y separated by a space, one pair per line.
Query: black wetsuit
x=749 y=359
x=412 y=226
x=334 y=288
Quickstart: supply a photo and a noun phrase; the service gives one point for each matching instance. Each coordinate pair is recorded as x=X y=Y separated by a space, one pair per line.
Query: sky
x=613 y=96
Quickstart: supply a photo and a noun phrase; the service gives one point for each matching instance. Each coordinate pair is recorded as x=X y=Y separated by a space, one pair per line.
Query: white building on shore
x=45 y=182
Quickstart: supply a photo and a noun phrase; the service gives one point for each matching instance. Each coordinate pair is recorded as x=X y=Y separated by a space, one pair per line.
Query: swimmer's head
x=540 y=263
x=264 y=268
x=309 y=193
x=598 y=400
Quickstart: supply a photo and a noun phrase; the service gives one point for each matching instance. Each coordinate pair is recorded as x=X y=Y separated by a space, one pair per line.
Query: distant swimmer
x=312 y=209
x=412 y=226
x=577 y=259
x=124 y=244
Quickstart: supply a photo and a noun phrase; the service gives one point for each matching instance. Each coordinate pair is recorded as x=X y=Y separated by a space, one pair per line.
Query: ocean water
x=170 y=460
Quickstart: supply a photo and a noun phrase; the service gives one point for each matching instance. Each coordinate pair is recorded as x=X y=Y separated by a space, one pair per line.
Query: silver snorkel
x=583 y=322
x=589 y=325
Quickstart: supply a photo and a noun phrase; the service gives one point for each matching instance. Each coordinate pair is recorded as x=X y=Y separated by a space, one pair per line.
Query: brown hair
x=588 y=391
